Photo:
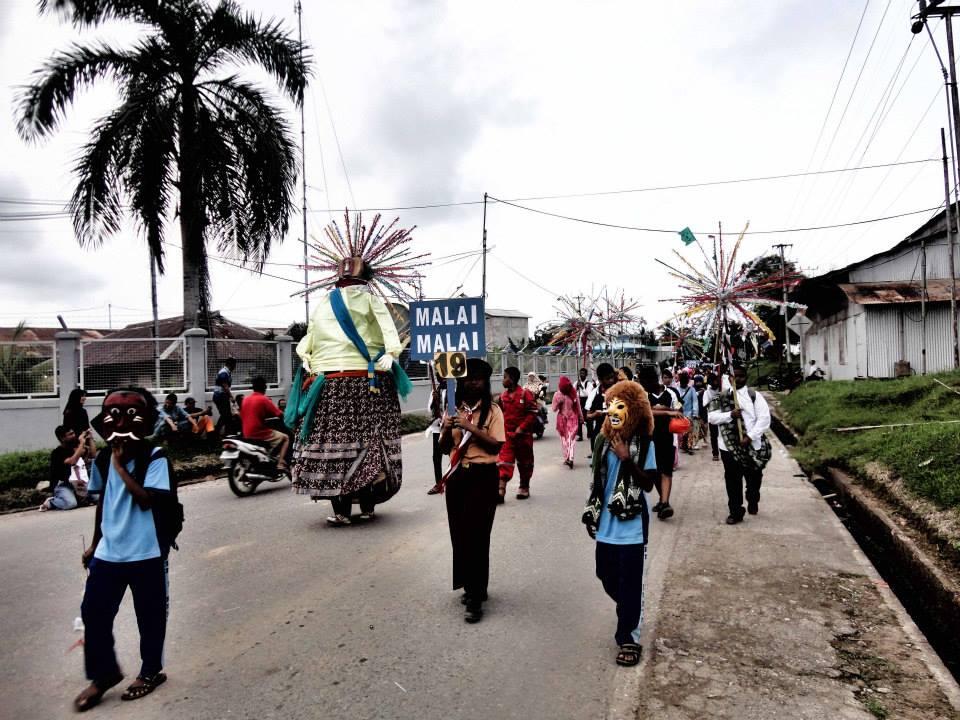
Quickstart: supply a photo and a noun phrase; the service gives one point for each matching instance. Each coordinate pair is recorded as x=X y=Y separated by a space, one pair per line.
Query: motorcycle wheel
x=237 y=478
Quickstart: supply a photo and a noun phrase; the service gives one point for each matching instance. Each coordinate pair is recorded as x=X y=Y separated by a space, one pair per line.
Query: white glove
x=385 y=363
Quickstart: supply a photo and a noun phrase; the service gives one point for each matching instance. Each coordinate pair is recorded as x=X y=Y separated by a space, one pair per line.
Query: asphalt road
x=276 y=615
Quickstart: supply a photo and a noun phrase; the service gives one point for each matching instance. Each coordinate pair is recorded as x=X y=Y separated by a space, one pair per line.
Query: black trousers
x=343 y=504
x=437 y=458
x=620 y=569
x=106 y=585
x=225 y=418
x=734 y=474
x=471 y=495
x=714 y=434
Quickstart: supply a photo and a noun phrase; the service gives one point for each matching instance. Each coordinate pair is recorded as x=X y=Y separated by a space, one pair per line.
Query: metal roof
x=491 y=312
x=878 y=293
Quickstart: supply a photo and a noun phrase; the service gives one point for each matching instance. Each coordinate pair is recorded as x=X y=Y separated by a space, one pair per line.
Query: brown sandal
x=82 y=704
x=523 y=493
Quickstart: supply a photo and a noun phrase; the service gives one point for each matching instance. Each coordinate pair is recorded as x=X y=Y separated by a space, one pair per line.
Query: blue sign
x=455 y=325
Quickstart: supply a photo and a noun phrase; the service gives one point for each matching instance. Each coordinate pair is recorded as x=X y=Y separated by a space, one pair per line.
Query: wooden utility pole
x=783 y=310
x=484 y=281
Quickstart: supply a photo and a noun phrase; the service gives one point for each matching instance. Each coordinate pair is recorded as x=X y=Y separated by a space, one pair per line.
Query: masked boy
x=617 y=515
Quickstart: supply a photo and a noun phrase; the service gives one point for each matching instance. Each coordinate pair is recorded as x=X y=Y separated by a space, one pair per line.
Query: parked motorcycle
x=790 y=379
x=248 y=463
x=541 y=424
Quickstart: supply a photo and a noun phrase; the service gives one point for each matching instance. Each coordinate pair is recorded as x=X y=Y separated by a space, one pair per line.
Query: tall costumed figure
x=345 y=400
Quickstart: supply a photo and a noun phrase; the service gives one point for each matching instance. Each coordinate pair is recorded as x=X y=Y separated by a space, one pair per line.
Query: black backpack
x=166 y=506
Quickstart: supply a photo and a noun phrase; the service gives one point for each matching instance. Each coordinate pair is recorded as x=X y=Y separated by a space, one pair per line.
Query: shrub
x=24 y=469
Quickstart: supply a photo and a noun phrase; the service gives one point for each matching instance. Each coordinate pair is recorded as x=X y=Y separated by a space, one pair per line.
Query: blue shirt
x=623 y=532
x=129 y=533
x=689 y=401
x=224 y=377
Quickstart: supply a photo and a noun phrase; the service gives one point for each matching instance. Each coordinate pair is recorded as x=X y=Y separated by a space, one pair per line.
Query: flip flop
x=94 y=700
x=629 y=654
x=149 y=684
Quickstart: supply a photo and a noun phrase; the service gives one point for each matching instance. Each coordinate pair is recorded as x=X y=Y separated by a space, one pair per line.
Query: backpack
x=166 y=506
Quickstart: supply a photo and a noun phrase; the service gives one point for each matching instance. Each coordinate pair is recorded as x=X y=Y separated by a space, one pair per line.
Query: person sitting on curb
x=202 y=417
x=172 y=421
x=68 y=470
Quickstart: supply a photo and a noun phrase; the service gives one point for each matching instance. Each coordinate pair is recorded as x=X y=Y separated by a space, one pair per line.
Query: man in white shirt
x=755 y=416
x=585 y=387
x=814 y=372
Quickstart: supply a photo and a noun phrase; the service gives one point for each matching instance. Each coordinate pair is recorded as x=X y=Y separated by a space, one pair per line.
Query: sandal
x=523 y=493
x=367 y=515
x=82 y=704
x=338 y=520
x=629 y=654
x=147 y=685
x=435 y=490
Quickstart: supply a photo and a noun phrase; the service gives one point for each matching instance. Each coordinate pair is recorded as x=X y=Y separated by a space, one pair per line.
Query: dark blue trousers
x=620 y=569
x=106 y=585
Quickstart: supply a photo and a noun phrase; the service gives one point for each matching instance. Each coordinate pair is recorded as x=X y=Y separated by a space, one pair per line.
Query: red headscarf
x=566 y=387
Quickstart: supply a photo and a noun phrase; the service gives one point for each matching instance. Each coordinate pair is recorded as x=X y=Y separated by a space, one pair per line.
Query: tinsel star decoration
x=584 y=322
x=723 y=291
x=393 y=268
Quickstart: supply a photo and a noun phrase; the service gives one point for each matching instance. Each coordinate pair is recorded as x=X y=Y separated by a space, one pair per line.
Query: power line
x=833 y=98
x=675 y=231
x=533 y=198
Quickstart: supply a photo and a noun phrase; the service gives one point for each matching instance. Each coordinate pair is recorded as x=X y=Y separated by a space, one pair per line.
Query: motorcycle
x=541 y=425
x=789 y=380
x=248 y=463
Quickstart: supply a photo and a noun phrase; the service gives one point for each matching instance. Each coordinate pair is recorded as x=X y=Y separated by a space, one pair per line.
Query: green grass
x=925 y=456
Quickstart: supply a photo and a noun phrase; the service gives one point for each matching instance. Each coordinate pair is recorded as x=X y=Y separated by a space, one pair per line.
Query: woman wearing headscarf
x=473 y=438
x=74 y=414
x=566 y=405
x=534 y=385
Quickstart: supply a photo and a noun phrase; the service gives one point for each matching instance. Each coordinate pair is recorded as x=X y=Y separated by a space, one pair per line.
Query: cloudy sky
x=437 y=103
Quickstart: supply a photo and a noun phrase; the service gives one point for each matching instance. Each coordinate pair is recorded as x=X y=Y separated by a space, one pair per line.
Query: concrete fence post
x=284 y=363
x=68 y=363
x=196 y=339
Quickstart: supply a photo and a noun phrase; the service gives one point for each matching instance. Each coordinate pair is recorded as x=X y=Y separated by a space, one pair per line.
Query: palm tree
x=190 y=136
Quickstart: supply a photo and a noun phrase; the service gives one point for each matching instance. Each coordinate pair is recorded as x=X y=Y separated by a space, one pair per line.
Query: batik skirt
x=354 y=444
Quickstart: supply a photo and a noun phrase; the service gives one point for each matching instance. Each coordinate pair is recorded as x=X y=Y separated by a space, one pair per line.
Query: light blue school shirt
x=623 y=532
x=129 y=533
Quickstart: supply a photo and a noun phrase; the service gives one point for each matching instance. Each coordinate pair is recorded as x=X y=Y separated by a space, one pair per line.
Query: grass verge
x=21 y=471
x=925 y=457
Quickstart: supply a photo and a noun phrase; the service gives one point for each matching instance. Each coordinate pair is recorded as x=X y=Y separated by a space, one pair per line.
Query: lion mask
x=628 y=411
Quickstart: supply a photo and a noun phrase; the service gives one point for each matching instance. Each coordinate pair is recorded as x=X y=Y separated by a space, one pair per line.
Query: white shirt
x=756 y=417
x=813 y=370
x=585 y=387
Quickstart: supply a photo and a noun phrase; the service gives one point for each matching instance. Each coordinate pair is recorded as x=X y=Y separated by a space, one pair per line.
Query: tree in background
x=765 y=267
x=189 y=138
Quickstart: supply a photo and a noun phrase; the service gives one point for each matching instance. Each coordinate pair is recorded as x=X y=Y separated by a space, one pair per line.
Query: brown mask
x=127 y=415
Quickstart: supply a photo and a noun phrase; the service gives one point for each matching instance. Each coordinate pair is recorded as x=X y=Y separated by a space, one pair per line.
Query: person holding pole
x=742 y=416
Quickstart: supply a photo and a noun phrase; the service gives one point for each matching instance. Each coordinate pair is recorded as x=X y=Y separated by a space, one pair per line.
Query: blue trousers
x=620 y=569
x=106 y=585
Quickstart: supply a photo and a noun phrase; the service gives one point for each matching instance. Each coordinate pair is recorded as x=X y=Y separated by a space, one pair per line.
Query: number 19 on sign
x=450 y=366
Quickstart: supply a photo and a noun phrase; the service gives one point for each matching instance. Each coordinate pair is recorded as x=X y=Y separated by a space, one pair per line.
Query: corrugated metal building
x=506 y=326
x=866 y=317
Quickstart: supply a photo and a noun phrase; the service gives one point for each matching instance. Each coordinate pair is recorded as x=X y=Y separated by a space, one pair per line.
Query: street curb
x=943 y=591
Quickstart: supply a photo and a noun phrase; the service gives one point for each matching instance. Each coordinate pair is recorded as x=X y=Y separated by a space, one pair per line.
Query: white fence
x=28 y=369
x=160 y=364
x=253 y=357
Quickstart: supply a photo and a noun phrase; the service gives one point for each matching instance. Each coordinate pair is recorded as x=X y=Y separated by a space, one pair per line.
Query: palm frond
x=230 y=34
x=55 y=85
x=88 y=13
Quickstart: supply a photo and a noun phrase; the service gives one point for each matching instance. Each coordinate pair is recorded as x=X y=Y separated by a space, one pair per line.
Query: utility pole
x=952 y=234
x=783 y=309
x=926 y=10
x=303 y=174
x=923 y=306
x=110 y=316
x=484 y=281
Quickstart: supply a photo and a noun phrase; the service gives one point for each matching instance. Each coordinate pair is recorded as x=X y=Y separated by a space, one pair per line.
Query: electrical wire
x=833 y=98
x=674 y=231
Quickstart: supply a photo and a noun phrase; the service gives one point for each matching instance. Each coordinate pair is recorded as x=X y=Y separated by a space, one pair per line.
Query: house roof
x=171 y=327
x=877 y=293
x=491 y=312
x=47 y=334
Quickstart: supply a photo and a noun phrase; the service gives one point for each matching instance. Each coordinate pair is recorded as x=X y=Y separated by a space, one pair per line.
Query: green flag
x=687 y=236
